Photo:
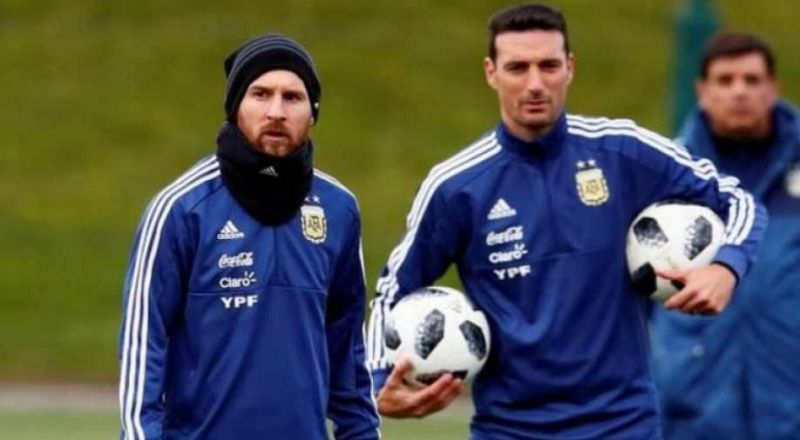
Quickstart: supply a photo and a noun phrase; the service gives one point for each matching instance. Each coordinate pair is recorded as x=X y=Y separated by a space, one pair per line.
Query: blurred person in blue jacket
x=737 y=375
x=244 y=298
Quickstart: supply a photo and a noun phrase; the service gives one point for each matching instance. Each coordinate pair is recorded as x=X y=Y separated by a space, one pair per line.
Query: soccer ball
x=440 y=331
x=671 y=235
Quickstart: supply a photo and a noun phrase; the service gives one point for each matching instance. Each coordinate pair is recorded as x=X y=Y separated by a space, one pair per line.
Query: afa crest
x=315 y=227
x=591 y=184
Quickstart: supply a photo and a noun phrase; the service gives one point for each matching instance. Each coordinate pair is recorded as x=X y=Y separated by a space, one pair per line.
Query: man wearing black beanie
x=271 y=101
x=244 y=296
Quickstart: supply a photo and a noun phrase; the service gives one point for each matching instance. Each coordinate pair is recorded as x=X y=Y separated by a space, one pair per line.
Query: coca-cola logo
x=514 y=233
x=243 y=259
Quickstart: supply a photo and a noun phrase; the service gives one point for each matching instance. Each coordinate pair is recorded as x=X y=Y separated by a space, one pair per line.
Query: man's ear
x=775 y=90
x=699 y=89
x=489 y=69
x=570 y=67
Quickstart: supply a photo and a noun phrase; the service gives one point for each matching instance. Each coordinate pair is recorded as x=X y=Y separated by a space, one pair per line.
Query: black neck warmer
x=269 y=188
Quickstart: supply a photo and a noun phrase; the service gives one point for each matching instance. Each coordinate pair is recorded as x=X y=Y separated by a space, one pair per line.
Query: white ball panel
x=452 y=353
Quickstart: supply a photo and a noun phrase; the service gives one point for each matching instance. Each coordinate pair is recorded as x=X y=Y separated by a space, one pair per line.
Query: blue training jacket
x=236 y=330
x=737 y=376
x=537 y=232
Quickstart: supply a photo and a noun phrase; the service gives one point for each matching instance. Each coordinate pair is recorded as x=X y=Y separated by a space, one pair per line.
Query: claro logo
x=247 y=280
x=515 y=254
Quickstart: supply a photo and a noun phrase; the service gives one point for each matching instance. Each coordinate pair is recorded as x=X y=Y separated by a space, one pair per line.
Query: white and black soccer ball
x=440 y=331
x=671 y=235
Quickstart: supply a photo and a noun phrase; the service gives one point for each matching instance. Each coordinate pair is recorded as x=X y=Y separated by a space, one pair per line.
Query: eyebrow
x=260 y=88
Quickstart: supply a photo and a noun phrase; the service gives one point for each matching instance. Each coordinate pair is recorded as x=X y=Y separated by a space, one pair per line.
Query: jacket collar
x=542 y=146
x=696 y=135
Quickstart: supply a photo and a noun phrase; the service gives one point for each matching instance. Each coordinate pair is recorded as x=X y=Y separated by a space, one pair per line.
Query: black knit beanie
x=262 y=54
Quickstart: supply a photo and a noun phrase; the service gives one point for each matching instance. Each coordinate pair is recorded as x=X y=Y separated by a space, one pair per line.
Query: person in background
x=737 y=376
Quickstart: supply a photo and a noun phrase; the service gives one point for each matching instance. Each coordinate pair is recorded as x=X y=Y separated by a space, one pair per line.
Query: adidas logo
x=229 y=232
x=269 y=171
x=501 y=209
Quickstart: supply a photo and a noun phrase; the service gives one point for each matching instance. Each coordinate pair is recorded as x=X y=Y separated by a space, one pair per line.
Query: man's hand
x=399 y=399
x=706 y=290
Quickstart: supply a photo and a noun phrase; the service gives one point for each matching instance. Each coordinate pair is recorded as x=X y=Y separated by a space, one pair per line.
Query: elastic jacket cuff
x=735 y=259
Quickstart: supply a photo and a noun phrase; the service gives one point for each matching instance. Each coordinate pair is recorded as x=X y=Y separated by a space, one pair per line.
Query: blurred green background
x=105 y=102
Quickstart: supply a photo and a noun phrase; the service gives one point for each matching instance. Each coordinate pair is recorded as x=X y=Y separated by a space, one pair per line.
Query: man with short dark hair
x=244 y=296
x=570 y=357
x=737 y=376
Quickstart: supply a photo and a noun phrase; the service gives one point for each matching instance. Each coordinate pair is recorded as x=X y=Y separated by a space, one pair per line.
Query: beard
x=277 y=140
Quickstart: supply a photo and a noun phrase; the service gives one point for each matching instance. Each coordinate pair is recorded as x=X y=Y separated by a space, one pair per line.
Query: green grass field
x=88 y=412
x=69 y=425
x=48 y=425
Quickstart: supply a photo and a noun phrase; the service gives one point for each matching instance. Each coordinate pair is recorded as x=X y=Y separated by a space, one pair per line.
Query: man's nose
x=739 y=86
x=276 y=109
x=534 y=83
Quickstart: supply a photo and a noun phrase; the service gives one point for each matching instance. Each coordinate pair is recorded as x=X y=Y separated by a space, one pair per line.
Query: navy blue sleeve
x=684 y=176
x=153 y=288
x=431 y=243
x=351 y=405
